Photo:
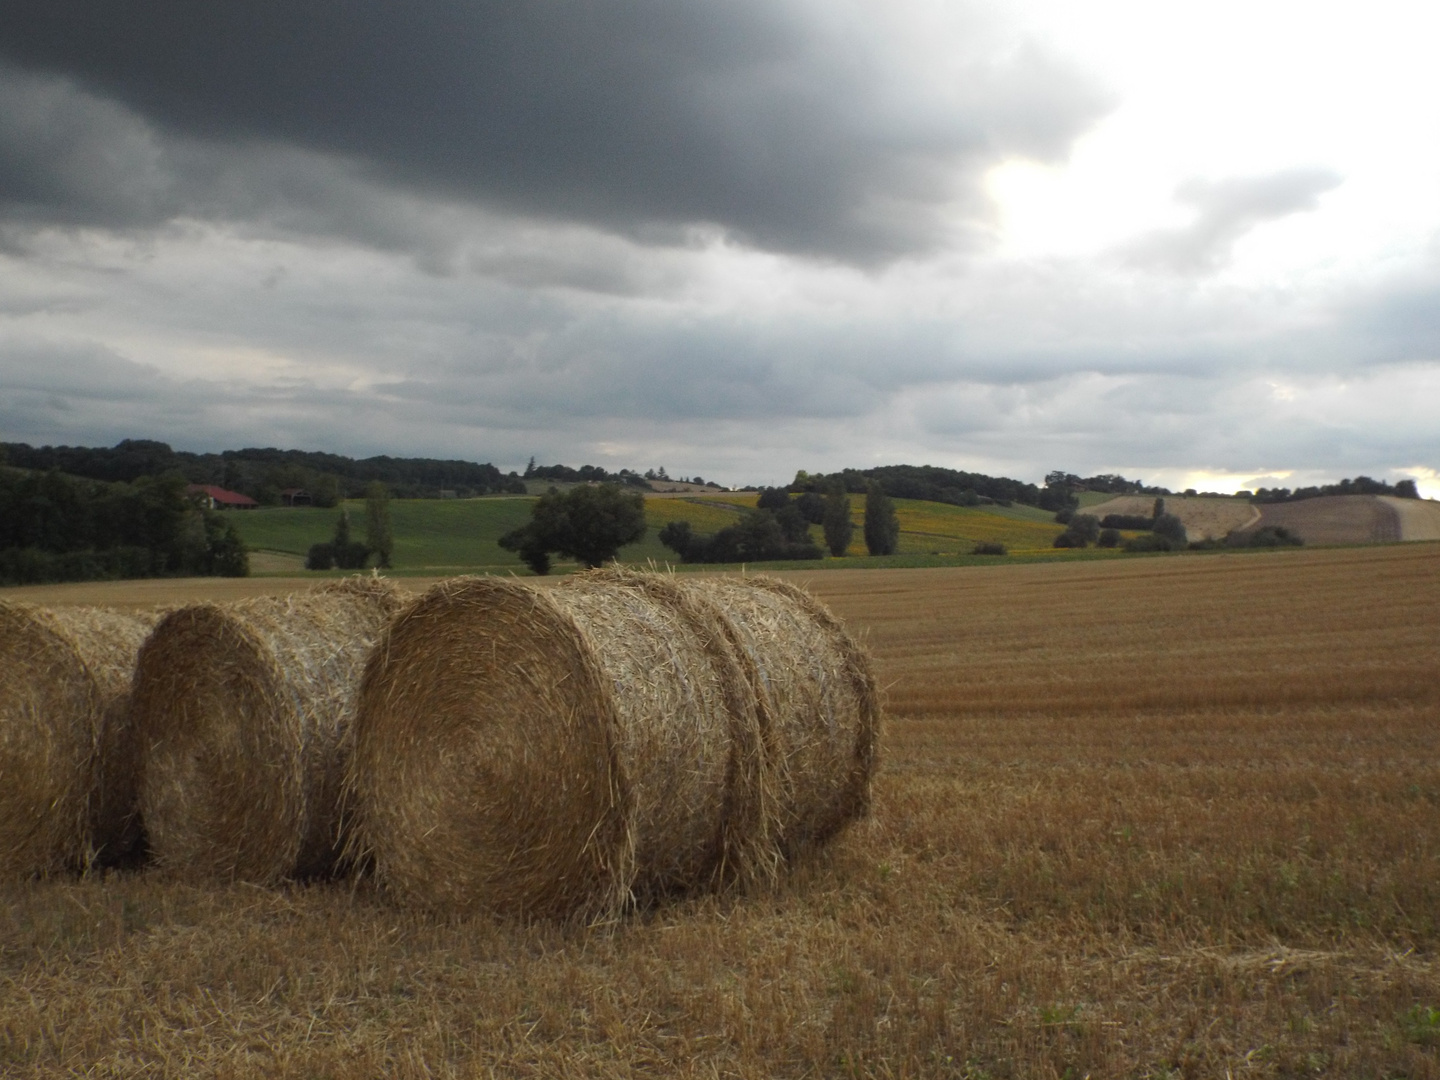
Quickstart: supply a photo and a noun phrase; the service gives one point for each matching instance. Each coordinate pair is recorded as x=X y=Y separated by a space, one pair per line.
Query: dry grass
x=1169 y=817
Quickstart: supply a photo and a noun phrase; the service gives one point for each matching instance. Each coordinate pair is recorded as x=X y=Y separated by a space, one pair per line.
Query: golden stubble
x=1159 y=817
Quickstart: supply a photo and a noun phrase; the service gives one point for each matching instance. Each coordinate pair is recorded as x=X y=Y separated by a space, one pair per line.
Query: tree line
x=264 y=473
x=1361 y=485
x=55 y=527
x=591 y=523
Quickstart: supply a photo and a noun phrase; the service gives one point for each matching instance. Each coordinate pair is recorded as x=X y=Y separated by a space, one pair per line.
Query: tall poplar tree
x=379 y=537
x=836 y=522
x=882 y=526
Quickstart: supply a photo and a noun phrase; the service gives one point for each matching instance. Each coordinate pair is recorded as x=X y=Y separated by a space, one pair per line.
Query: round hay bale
x=67 y=795
x=243 y=713
x=815 y=684
x=557 y=751
x=692 y=737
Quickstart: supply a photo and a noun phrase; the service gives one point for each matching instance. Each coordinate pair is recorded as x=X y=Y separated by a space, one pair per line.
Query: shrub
x=811 y=506
x=1082 y=531
x=989 y=547
x=773 y=498
x=1109 y=538
x=1062 y=517
x=1171 y=528
x=320 y=556
x=1136 y=522
x=761 y=536
x=1269 y=536
x=678 y=537
x=1152 y=542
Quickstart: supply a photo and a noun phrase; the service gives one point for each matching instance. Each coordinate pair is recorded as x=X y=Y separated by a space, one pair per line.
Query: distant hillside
x=1355 y=519
x=1317 y=519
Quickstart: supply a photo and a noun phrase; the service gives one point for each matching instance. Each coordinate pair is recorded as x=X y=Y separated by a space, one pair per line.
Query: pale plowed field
x=1204 y=518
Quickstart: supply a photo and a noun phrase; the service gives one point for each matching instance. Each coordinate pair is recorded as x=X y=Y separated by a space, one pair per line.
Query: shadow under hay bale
x=557 y=752
x=815 y=683
x=243 y=712
x=67 y=794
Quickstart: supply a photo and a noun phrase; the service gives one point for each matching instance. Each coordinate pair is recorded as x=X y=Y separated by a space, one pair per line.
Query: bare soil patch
x=1336 y=519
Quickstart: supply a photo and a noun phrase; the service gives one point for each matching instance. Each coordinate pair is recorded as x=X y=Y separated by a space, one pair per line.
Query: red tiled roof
x=220 y=495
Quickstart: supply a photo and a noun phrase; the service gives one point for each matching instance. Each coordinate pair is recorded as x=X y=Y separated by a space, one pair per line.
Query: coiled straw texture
x=244 y=712
x=67 y=796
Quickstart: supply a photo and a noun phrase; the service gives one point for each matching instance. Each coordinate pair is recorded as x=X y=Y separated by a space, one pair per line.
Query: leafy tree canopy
x=589 y=524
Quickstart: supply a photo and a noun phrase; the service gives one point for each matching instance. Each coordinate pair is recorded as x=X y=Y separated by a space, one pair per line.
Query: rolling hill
x=1326 y=519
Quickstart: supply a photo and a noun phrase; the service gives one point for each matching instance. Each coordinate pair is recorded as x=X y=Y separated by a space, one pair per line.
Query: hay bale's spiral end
x=484 y=775
x=67 y=797
x=243 y=714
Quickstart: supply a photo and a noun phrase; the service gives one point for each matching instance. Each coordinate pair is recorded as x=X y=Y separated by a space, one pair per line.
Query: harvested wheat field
x=1171 y=816
x=67 y=793
x=242 y=713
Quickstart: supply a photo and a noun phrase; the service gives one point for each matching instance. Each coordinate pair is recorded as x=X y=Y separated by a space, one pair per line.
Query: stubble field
x=1162 y=817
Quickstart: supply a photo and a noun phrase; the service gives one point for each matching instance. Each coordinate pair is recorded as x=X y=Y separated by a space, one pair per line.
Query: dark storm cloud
x=1226 y=210
x=784 y=124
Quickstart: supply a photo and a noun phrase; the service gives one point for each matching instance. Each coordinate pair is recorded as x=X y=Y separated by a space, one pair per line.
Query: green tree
x=882 y=525
x=348 y=554
x=836 y=523
x=587 y=523
x=379 y=536
x=1170 y=527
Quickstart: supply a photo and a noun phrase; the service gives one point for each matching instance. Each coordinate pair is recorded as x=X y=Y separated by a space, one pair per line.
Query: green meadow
x=451 y=536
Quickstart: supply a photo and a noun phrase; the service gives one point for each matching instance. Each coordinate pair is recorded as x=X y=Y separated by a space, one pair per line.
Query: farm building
x=217 y=498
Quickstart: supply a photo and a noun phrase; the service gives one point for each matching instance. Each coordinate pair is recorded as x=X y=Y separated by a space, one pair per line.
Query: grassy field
x=1137 y=818
x=453 y=536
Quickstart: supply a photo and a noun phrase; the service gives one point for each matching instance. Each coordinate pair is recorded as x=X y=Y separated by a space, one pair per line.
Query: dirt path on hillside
x=1419 y=518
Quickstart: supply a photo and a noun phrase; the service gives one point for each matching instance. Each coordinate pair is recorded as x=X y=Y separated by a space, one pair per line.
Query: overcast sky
x=1197 y=244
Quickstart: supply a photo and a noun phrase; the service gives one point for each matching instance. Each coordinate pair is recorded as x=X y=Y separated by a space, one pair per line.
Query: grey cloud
x=1226 y=210
x=761 y=118
x=73 y=370
x=73 y=158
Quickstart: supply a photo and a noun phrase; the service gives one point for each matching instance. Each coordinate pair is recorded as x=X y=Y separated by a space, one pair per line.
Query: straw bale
x=66 y=769
x=815 y=685
x=243 y=713
x=486 y=772
x=691 y=738
x=558 y=751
